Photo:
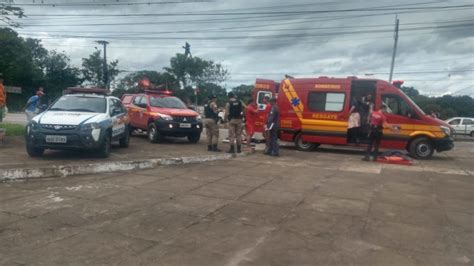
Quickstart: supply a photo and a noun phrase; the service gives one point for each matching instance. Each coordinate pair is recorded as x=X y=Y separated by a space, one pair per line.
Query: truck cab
x=161 y=115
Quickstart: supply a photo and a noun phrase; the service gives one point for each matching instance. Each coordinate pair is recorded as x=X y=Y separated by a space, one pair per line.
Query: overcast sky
x=270 y=38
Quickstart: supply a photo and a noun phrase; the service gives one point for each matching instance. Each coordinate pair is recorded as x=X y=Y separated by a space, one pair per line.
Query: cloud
x=270 y=45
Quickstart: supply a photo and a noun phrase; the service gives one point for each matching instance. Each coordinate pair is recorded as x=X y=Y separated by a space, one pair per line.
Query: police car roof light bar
x=82 y=90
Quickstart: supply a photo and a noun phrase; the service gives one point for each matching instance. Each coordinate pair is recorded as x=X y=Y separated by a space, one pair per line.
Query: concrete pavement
x=318 y=208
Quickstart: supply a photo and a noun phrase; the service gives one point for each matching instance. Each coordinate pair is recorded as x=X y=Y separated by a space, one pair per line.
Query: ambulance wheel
x=125 y=140
x=303 y=145
x=34 y=152
x=104 y=150
x=194 y=137
x=421 y=148
x=153 y=134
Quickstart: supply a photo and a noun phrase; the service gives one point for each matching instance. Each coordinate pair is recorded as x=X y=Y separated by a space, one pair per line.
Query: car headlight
x=90 y=126
x=446 y=131
x=33 y=126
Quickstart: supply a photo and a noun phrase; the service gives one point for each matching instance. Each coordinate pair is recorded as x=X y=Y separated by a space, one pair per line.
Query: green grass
x=13 y=129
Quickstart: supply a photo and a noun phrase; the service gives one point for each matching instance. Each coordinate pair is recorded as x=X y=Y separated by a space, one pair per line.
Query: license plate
x=185 y=125
x=56 y=139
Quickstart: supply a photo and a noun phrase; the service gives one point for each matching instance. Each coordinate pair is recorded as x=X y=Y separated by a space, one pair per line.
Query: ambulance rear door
x=263 y=88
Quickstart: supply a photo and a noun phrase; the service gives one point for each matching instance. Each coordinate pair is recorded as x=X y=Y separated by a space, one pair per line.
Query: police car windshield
x=80 y=104
x=167 y=102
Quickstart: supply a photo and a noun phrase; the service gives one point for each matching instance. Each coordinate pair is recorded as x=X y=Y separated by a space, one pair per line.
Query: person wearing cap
x=233 y=114
x=32 y=106
x=272 y=126
x=210 y=123
x=3 y=98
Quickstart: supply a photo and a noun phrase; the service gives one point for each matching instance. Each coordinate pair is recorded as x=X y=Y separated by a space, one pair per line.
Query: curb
x=59 y=171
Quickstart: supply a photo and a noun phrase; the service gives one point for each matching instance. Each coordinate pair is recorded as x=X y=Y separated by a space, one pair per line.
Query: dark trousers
x=375 y=136
x=273 y=146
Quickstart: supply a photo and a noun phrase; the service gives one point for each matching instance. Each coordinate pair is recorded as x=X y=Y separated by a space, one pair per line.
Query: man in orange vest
x=3 y=98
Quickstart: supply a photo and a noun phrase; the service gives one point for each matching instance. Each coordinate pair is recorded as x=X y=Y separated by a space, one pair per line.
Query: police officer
x=233 y=114
x=272 y=126
x=210 y=123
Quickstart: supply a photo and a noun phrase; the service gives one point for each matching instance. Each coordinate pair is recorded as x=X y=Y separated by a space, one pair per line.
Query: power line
x=298 y=35
x=108 y=3
x=298 y=12
x=252 y=31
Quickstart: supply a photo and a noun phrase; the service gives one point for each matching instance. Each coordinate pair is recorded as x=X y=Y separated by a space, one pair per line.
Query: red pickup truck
x=161 y=115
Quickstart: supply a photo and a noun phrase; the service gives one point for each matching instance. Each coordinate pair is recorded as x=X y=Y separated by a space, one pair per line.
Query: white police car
x=86 y=119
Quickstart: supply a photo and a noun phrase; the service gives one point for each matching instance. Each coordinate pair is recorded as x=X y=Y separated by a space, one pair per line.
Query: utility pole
x=105 y=69
x=394 y=48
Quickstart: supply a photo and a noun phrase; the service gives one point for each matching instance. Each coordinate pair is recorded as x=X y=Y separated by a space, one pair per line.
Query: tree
x=196 y=70
x=7 y=11
x=243 y=92
x=18 y=67
x=410 y=92
x=59 y=74
x=93 y=71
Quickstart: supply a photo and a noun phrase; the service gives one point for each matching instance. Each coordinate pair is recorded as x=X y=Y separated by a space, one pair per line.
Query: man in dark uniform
x=210 y=123
x=233 y=114
x=272 y=126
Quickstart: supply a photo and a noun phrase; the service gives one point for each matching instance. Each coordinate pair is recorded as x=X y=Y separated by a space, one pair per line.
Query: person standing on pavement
x=210 y=123
x=268 y=107
x=233 y=114
x=378 y=122
x=272 y=126
x=3 y=99
x=251 y=113
x=32 y=106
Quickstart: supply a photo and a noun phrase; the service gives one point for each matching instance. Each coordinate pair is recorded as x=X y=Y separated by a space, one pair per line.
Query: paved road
x=319 y=208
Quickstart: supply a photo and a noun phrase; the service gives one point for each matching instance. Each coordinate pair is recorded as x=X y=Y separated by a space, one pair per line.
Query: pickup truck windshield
x=80 y=104
x=167 y=102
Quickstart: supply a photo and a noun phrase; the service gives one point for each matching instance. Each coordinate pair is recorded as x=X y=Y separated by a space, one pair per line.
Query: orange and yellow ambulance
x=315 y=111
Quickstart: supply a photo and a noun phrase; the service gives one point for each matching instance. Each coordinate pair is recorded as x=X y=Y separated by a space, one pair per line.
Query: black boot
x=239 y=148
x=232 y=149
x=209 y=147
x=214 y=148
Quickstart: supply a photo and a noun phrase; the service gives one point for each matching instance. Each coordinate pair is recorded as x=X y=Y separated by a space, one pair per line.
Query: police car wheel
x=194 y=137
x=125 y=140
x=34 y=152
x=421 y=148
x=303 y=145
x=153 y=134
x=104 y=150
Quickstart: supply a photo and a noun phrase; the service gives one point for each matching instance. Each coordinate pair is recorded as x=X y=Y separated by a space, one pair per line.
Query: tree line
x=26 y=63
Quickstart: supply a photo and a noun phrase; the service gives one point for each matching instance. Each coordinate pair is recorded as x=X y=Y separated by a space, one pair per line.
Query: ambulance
x=315 y=111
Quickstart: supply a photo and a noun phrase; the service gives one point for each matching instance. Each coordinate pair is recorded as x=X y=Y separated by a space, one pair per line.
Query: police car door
x=118 y=116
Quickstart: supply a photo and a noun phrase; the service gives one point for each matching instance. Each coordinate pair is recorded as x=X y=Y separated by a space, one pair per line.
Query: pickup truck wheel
x=125 y=140
x=153 y=134
x=421 y=148
x=194 y=137
x=104 y=150
x=303 y=145
x=34 y=152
